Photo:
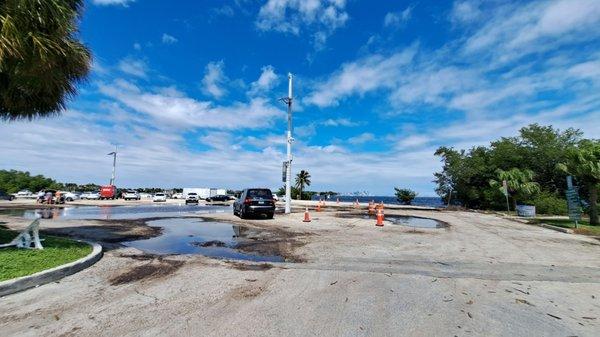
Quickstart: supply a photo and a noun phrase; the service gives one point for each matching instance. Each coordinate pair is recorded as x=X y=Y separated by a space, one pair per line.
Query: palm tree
x=302 y=179
x=584 y=164
x=41 y=59
x=519 y=182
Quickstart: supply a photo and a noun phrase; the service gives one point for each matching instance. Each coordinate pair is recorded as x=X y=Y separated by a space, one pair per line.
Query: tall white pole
x=288 y=173
x=112 y=179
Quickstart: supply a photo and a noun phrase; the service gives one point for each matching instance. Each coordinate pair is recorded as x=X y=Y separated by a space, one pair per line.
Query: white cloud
x=361 y=139
x=322 y=17
x=171 y=108
x=168 y=39
x=265 y=82
x=465 y=11
x=135 y=67
x=112 y=2
x=397 y=19
x=224 y=10
x=519 y=30
x=362 y=76
x=137 y=46
x=339 y=122
x=214 y=80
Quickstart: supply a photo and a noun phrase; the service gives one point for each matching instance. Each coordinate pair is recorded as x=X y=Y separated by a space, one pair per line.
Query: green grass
x=584 y=226
x=16 y=262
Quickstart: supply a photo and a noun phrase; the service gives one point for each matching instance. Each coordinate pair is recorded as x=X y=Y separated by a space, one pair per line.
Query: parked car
x=23 y=193
x=177 y=196
x=90 y=196
x=4 y=196
x=218 y=198
x=159 y=197
x=275 y=197
x=131 y=195
x=70 y=196
x=145 y=195
x=192 y=198
x=255 y=201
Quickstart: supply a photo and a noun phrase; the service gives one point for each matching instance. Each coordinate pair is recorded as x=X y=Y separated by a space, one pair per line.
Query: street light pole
x=289 y=140
x=114 y=154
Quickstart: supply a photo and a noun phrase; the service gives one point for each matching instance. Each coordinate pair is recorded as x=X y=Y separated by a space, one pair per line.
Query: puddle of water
x=194 y=236
x=403 y=220
x=415 y=222
x=114 y=212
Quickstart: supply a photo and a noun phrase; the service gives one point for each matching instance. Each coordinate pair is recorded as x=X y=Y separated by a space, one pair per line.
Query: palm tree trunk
x=514 y=203
x=594 y=205
x=301 y=188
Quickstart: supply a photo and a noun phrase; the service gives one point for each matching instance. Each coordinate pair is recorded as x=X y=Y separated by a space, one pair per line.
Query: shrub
x=549 y=203
x=405 y=195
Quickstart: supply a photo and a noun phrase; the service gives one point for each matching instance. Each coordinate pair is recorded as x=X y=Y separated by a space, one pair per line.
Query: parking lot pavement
x=482 y=275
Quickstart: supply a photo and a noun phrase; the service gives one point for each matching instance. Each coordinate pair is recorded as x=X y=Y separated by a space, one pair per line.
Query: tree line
x=531 y=168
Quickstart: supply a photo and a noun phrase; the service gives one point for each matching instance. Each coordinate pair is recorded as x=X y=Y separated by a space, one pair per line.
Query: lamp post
x=289 y=140
x=114 y=154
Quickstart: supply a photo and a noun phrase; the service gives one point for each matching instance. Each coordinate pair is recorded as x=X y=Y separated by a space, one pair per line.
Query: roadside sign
x=505 y=192
x=284 y=171
x=573 y=201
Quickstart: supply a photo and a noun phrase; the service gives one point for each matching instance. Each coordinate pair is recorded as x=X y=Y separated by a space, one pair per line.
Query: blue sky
x=190 y=91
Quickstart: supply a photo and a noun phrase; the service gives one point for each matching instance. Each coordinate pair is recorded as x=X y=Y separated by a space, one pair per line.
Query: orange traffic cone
x=379 y=218
x=319 y=206
x=371 y=208
x=306 y=216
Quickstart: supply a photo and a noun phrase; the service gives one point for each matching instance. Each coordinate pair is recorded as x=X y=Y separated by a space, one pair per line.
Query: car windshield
x=191 y=193
x=266 y=194
x=159 y=194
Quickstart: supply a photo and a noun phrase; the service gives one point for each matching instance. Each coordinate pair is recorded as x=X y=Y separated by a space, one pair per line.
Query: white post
x=288 y=174
x=114 y=154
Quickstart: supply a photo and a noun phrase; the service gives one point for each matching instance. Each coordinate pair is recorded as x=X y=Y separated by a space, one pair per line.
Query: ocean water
x=419 y=201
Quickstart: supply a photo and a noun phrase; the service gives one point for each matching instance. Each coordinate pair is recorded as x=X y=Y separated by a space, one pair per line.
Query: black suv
x=254 y=201
x=218 y=198
x=5 y=196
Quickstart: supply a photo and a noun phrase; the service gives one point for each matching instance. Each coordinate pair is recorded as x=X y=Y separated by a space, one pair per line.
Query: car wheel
x=69 y=199
x=269 y=215
x=242 y=213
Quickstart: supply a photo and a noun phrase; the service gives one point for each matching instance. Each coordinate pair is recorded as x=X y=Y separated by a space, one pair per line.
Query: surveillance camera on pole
x=287 y=165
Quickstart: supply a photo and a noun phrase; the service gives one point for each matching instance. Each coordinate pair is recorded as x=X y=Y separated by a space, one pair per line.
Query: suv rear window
x=265 y=194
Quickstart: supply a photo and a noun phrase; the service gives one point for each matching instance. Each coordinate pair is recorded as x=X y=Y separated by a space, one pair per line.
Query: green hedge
x=548 y=203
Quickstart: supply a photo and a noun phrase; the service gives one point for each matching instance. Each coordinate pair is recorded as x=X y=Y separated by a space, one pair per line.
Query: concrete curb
x=50 y=275
x=556 y=228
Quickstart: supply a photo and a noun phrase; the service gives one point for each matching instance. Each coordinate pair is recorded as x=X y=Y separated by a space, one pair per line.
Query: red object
x=306 y=216
x=108 y=192
x=379 y=218
x=248 y=201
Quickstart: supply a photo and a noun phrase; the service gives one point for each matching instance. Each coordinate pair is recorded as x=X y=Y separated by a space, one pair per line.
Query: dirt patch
x=247 y=292
x=140 y=257
x=271 y=241
x=152 y=270
x=248 y=266
x=583 y=231
x=213 y=243
x=108 y=232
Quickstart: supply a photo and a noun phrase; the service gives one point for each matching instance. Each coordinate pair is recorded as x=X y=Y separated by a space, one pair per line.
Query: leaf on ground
x=519 y=300
x=332 y=283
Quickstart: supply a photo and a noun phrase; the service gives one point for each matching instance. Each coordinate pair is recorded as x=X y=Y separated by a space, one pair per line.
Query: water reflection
x=194 y=236
x=115 y=212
